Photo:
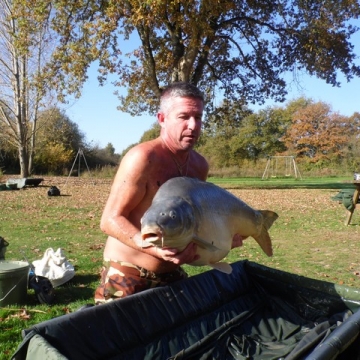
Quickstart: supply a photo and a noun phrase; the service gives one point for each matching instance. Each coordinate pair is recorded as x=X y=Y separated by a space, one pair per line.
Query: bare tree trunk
x=23 y=159
x=23 y=84
x=20 y=105
x=32 y=147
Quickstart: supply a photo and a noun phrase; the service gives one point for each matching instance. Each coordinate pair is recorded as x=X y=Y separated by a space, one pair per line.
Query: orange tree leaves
x=318 y=133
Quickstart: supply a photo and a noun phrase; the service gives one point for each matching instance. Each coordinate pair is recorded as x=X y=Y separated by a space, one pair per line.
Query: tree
x=54 y=126
x=238 y=49
x=97 y=157
x=352 y=151
x=8 y=156
x=218 y=141
x=152 y=133
x=53 y=158
x=235 y=134
x=261 y=133
x=109 y=149
x=227 y=118
x=318 y=133
x=217 y=151
x=58 y=140
x=24 y=41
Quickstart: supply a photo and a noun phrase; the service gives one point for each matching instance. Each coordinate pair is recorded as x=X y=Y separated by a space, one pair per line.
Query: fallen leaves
x=22 y=314
x=96 y=246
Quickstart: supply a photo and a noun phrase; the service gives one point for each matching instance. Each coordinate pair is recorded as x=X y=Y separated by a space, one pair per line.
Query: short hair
x=178 y=89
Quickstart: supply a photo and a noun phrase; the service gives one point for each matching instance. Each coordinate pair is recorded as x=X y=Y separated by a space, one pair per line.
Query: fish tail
x=263 y=239
x=269 y=217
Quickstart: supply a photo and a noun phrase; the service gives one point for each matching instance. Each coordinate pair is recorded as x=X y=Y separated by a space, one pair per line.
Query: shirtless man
x=129 y=268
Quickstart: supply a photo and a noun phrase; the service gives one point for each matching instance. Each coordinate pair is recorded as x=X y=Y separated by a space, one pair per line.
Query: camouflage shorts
x=120 y=279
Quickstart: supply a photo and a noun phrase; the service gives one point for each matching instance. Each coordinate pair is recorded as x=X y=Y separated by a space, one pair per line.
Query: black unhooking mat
x=255 y=313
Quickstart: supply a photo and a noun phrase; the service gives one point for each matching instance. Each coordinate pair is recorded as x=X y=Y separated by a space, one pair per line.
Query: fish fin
x=269 y=217
x=263 y=239
x=222 y=266
x=204 y=244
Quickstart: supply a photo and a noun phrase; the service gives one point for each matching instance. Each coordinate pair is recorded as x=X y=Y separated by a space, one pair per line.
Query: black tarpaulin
x=254 y=313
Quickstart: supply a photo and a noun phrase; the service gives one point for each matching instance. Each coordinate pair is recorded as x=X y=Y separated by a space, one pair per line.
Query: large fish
x=186 y=209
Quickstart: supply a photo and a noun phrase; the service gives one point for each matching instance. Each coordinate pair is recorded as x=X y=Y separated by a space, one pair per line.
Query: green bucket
x=13 y=282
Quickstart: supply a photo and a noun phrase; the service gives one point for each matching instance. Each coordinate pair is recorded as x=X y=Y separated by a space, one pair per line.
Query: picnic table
x=355 y=200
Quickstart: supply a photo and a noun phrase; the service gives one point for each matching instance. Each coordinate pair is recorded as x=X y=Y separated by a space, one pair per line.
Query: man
x=129 y=268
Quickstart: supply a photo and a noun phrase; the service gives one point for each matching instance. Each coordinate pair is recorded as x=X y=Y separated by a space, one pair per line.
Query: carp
x=187 y=209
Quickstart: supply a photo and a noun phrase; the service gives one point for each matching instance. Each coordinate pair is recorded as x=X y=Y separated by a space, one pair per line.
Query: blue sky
x=97 y=117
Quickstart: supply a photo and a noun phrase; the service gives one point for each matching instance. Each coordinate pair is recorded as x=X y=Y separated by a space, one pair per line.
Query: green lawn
x=309 y=238
x=285 y=183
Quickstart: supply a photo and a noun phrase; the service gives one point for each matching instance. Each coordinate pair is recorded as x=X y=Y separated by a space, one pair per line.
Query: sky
x=97 y=117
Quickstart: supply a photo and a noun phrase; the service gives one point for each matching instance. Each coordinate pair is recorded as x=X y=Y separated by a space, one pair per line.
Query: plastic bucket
x=13 y=282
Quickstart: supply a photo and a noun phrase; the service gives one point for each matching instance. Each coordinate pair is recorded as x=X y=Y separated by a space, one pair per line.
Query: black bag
x=3 y=245
x=53 y=191
x=43 y=288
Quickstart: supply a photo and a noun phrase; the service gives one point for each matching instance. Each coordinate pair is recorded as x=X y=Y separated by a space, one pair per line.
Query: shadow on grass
x=81 y=287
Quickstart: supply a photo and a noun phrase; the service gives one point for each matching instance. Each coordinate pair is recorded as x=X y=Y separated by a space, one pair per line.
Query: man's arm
x=127 y=193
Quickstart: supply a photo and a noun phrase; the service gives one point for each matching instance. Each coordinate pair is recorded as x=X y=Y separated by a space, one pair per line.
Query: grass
x=309 y=238
x=285 y=183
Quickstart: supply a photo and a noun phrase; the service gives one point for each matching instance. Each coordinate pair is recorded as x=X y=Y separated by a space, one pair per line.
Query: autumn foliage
x=318 y=133
x=310 y=131
x=240 y=49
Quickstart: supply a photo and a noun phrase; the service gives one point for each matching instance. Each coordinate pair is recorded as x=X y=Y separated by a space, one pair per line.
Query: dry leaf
x=96 y=246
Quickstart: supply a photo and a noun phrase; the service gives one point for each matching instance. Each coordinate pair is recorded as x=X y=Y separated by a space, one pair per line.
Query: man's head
x=180 y=115
x=178 y=89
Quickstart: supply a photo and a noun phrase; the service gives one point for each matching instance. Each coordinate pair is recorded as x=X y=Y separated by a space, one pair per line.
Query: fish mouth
x=152 y=237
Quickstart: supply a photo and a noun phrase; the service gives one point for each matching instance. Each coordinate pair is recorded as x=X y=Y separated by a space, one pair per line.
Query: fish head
x=168 y=223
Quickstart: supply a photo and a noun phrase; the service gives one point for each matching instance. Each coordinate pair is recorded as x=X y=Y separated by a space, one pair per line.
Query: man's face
x=182 y=122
